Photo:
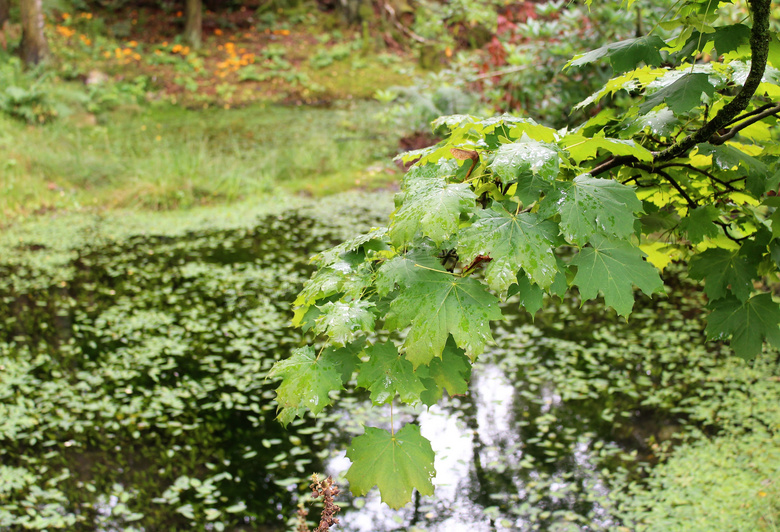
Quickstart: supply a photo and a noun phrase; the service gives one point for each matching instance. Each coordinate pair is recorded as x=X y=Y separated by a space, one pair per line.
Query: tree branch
x=725 y=228
x=751 y=113
x=759 y=52
x=720 y=139
x=691 y=203
x=703 y=172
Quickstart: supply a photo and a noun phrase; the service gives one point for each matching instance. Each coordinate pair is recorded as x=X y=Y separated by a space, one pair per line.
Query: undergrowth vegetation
x=168 y=157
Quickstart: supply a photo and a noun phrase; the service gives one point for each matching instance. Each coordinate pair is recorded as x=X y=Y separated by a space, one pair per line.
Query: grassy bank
x=165 y=157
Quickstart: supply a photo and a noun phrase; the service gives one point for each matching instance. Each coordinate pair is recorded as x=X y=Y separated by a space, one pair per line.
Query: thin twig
x=725 y=226
x=691 y=203
x=401 y=27
x=703 y=172
x=720 y=139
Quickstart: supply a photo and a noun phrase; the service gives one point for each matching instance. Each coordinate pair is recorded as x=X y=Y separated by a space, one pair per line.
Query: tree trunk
x=5 y=9
x=351 y=10
x=34 y=47
x=193 y=25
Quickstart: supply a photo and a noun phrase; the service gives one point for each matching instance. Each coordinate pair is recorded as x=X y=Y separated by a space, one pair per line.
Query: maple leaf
x=349 y=275
x=724 y=271
x=396 y=464
x=432 y=207
x=404 y=270
x=699 y=223
x=531 y=164
x=525 y=157
x=589 y=205
x=344 y=359
x=727 y=157
x=682 y=95
x=441 y=305
x=451 y=372
x=729 y=38
x=374 y=239
x=612 y=267
x=344 y=321
x=748 y=323
x=625 y=55
x=386 y=373
x=306 y=382
x=339 y=278
x=512 y=242
x=531 y=295
x=582 y=148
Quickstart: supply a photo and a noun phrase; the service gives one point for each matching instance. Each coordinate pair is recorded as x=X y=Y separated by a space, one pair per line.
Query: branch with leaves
x=506 y=207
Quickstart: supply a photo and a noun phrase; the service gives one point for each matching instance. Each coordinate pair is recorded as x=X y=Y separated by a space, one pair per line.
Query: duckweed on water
x=134 y=350
x=133 y=390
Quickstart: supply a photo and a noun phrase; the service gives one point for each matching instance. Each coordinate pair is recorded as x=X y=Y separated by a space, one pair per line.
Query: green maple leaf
x=344 y=359
x=625 y=55
x=439 y=306
x=344 y=321
x=531 y=164
x=660 y=122
x=729 y=38
x=725 y=38
x=531 y=295
x=349 y=275
x=682 y=95
x=373 y=239
x=533 y=130
x=512 y=242
x=728 y=157
x=582 y=148
x=526 y=157
x=396 y=464
x=451 y=372
x=612 y=268
x=432 y=207
x=748 y=323
x=386 y=373
x=724 y=272
x=404 y=270
x=588 y=205
x=699 y=223
x=306 y=382
x=325 y=282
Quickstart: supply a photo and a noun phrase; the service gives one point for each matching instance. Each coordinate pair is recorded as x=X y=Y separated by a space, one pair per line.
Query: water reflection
x=483 y=473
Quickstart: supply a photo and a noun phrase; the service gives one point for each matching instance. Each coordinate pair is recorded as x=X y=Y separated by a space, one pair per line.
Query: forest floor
x=127 y=116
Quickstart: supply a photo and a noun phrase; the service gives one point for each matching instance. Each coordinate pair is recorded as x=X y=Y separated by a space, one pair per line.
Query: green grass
x=165 y=157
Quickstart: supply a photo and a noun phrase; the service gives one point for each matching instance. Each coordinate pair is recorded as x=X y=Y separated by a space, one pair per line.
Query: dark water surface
x=133 y=396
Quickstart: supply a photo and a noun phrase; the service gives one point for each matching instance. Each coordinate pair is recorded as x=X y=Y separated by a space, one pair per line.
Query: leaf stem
x=392 y=425
x=434 y=269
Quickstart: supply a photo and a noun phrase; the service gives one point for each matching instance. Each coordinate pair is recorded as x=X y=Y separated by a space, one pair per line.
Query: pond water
x=133 y=394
